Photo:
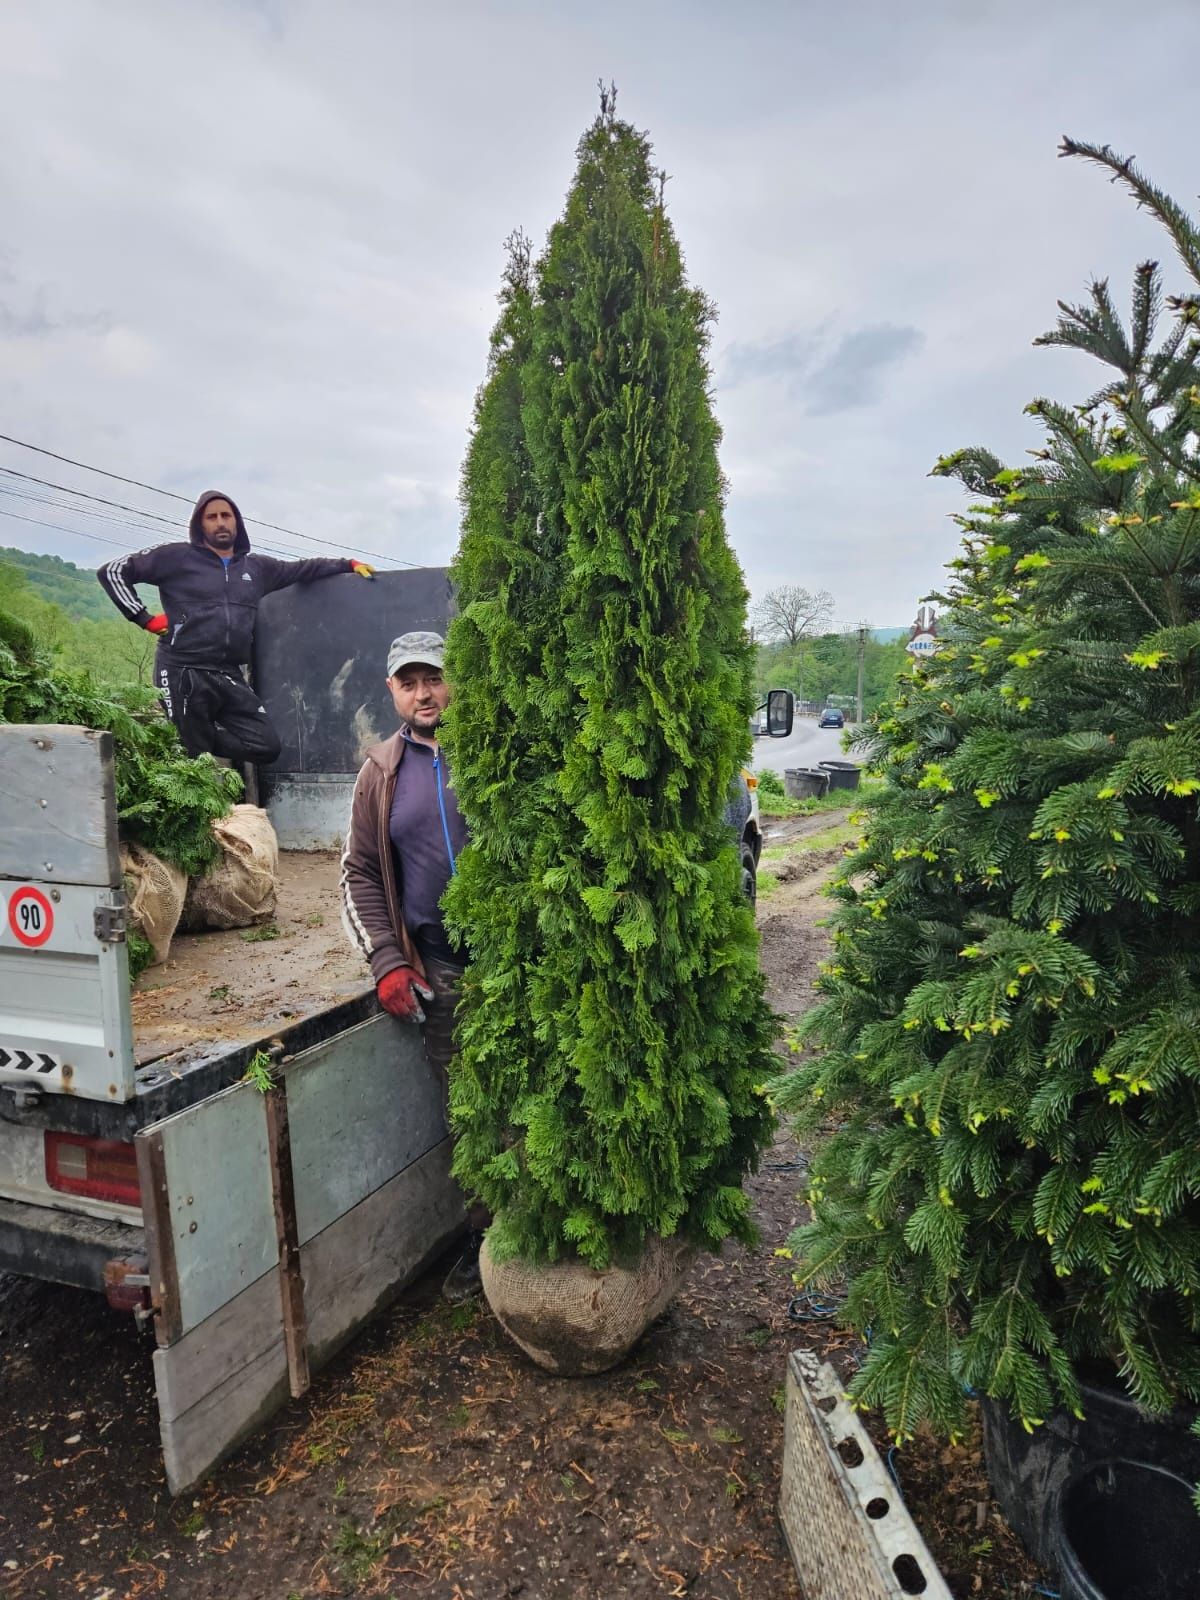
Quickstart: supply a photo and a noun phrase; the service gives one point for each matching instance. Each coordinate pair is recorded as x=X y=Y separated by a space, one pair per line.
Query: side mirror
x=781 y=708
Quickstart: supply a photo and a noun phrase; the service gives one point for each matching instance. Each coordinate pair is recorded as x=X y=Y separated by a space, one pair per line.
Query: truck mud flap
x=278 y=1222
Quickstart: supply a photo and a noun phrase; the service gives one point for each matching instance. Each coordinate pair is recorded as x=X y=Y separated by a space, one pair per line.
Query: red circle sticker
x=30 y=916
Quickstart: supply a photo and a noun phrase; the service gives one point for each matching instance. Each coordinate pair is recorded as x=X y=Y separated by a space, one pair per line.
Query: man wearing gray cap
x=401 y=848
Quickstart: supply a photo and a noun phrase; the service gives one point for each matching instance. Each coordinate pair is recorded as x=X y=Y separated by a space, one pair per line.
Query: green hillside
x=81 y=628
x=73 y=589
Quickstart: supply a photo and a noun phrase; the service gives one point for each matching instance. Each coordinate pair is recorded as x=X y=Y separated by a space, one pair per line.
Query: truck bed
x=225 y=988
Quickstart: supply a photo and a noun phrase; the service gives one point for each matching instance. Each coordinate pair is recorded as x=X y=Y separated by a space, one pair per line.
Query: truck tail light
x=100 y=1169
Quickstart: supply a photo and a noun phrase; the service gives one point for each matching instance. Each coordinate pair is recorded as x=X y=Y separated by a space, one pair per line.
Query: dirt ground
x=431 y=1458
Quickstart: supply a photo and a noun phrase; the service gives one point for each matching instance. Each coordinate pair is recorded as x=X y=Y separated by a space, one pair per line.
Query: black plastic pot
x=842 y=774
x=1028 y=1471
x=1126 y=1530
x=805 y=783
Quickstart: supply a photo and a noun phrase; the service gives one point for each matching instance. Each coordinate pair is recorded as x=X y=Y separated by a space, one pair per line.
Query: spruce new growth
x=1009 y=1036
x=614 y=1035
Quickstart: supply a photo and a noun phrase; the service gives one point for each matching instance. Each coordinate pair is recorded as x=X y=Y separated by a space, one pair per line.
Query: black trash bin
x=842 y=774
x=1126 y=1530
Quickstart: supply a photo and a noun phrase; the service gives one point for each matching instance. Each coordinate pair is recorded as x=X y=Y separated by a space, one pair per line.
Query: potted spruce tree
x=614 y=1037
x=1007 y=1049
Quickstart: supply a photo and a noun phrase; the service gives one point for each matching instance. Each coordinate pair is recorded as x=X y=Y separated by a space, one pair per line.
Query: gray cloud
x=789 y=357
x=292 y=215
x=821 y=382
x=35 y=320
x=852 y=375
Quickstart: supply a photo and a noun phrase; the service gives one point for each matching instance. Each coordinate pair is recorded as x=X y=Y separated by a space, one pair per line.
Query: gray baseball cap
x=416 y=649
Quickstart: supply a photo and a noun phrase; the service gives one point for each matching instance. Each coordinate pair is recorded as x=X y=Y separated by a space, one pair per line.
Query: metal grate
x=846 y=1524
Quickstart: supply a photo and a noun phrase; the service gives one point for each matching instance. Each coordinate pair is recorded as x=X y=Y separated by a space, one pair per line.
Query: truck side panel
x=371 y=1200
x=58 y=805
x=226 y=1377
x=65 y=1024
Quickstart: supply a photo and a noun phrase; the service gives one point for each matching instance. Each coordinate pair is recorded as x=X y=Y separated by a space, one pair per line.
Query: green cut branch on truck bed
x=166 y=801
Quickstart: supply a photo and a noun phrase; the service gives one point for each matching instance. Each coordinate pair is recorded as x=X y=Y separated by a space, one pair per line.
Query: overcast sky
x=256 y=246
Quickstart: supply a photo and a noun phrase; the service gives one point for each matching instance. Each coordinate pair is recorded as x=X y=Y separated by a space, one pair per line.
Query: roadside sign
x=922 y=644
x=30 y=916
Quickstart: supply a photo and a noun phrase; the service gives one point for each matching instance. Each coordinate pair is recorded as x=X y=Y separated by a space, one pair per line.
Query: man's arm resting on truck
x=118 y=579
x=275 y=574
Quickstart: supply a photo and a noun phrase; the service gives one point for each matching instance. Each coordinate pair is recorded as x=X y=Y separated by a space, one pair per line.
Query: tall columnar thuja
x=614 y=1035
x=1009 y=1039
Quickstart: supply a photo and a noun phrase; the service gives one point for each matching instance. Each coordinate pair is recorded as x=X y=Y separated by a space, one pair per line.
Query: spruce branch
x=1176 y=221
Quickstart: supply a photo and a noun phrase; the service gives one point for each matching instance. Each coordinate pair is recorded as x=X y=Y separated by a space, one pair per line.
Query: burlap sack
x=240 y=889
x=573 y=1320
x=155 y=891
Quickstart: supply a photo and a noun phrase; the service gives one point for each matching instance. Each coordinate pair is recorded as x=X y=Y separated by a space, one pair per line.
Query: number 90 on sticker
x=30 y=916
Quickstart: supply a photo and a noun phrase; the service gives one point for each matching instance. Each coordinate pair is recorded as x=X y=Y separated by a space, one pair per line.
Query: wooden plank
x=361 y=1107
x=225 y=1377
x=245 y=1335
x=160 y=1238
x=220 y=1382
x=291 y=1283
x=58 y=806
x=364 y=1259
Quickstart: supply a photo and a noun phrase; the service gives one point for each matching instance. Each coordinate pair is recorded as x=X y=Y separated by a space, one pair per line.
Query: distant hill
x=72 y=588
x=886 y=635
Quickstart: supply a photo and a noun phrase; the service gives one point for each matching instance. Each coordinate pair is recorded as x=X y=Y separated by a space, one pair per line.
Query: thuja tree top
x=614 y=1034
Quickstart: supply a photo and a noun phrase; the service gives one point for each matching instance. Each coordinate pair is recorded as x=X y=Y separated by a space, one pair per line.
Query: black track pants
x=218 y=712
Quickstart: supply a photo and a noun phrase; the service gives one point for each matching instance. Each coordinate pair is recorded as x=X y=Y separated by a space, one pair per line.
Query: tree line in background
x=65 y=608
x=798 y=650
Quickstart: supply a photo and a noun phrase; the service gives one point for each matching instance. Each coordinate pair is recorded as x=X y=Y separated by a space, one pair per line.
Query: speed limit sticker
x=30 y=916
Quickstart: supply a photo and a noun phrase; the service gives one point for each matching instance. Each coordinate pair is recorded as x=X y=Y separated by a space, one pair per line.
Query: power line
x=58 y=527
x=171 y=494
x=118 y=505
x=98 y=538
x=104 y=516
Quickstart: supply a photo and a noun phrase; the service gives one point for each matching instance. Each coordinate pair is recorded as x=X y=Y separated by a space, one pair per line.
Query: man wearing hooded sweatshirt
x=210 y=589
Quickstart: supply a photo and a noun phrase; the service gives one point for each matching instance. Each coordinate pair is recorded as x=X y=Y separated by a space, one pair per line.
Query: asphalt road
x=804 y=747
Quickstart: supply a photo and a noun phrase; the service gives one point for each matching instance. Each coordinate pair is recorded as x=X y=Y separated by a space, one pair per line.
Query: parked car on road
x=832 y=718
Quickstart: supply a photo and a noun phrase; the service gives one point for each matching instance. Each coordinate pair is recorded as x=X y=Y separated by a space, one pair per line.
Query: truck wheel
x=749 y=874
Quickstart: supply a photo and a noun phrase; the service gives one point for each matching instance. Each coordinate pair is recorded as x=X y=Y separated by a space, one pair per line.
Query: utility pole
x=862 y=656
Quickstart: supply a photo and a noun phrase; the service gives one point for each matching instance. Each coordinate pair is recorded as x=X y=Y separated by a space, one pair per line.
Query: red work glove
x=361 y=567
x=401 y=992
x=157 y=623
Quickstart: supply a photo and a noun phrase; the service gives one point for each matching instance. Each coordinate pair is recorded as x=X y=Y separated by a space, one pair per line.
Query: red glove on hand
x=401 y=992
x=361 y=567
x=157 y=623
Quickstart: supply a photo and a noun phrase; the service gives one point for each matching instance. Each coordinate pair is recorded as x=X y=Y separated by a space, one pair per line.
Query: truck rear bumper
x=62 y=1246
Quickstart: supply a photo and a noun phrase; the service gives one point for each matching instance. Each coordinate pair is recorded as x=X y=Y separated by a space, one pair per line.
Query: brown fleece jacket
x=372 y=913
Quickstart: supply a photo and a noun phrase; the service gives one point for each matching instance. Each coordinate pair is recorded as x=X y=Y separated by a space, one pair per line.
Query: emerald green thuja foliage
x=1008 y=1044
x=166 y=801
x=614 y=1035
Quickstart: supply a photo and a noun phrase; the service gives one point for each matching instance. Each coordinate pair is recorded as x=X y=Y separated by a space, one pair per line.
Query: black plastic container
x=805 y=783
x=1127 y=1530
x=1028 y=1471
x=842 y=774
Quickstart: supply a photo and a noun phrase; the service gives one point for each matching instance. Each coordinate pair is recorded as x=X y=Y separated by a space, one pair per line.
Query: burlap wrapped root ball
x=240 y=890
x=155 y=891
x=574 y=1320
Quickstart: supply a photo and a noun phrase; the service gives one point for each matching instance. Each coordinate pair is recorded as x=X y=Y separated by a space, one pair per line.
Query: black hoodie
x=210 y=603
